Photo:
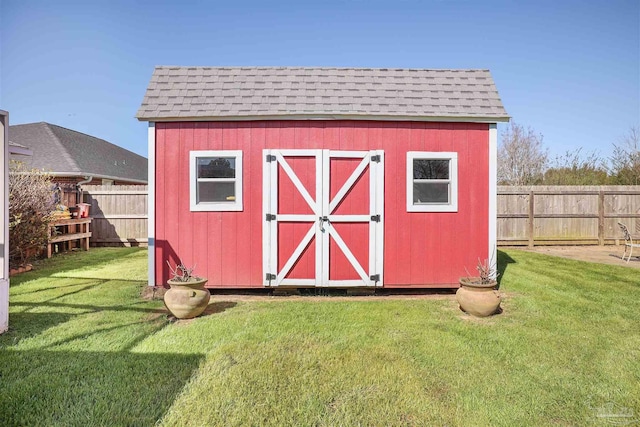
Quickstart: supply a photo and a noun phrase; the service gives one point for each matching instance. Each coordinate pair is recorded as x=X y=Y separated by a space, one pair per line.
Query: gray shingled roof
x=242 y=93
x=67 y=152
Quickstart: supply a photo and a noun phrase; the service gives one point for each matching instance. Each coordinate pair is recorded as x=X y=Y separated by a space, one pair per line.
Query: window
x=216 y=180
x=432 y=181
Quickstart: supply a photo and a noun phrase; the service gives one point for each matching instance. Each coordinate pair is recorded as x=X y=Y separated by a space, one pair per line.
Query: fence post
x=601 y=218
x=531 y=213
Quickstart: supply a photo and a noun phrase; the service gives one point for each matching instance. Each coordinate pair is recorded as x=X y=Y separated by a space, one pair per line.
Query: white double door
x=323 y=218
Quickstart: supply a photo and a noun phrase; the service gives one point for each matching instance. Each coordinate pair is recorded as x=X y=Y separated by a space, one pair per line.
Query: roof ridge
x=62 y=147
x=90 y=136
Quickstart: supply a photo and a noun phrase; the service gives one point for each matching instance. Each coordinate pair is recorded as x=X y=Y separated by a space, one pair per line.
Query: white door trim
x=322 y=217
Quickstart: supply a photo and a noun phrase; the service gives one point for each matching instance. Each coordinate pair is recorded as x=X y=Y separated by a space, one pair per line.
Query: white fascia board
x=493 y=193
x=151 y=203
x=96 y=176
x=451 y=119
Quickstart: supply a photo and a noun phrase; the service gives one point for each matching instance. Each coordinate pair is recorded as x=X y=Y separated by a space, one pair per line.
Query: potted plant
x=477 y=295
x=187 y=297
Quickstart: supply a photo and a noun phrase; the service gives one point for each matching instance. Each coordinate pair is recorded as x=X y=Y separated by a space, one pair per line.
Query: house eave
x=465 y=119
x=97 y=176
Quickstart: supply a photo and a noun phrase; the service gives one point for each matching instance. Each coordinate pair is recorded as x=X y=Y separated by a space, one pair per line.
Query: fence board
x=542 y=215
x=119 y=214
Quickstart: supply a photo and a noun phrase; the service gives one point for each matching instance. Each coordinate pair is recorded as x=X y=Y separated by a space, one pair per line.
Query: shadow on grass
x=98 y=388
x=26 y=325
x=212 y=309
x=103 y=279
x=503 y=261
x=87 y=307
x=75 y=261
x=218 y=307
x=47 y=289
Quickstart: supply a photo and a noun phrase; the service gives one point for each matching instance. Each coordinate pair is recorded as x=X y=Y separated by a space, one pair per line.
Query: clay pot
x=478 y=299
x=186 y=300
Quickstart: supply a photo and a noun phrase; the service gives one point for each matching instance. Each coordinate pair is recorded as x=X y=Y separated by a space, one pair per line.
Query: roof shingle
x=242 y=93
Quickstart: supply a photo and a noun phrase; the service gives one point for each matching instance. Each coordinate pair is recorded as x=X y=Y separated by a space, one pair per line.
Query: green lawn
x=85 y=349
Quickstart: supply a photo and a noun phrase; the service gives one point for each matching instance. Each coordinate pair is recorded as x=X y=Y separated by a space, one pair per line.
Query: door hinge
x=271 y=217
x=270 y=277
x=375 y=218
x=375 y=277
x=376 y=158
x=271 y=158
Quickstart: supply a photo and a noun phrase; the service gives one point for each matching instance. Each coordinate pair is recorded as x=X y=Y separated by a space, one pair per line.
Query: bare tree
x=522 y=159
x=625 y=161
x=30 y=206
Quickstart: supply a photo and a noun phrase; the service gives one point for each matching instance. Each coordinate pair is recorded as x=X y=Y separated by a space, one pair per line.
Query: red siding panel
x=392 y=193
x=216 y=242
x=200 y=229
x=243 y=231
x=417 y=223
x=185 y=228
x=402 y=217
x=255 y=158
x=421 y=249
x=229 y=220
x=171 y=152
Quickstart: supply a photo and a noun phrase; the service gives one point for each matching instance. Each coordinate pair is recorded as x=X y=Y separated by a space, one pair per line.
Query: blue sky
x=569 y=69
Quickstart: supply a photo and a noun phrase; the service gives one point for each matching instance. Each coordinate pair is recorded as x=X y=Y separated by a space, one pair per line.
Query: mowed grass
x=85 y=349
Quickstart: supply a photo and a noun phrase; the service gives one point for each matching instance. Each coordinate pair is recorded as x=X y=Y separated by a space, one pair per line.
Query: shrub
x=30 y=205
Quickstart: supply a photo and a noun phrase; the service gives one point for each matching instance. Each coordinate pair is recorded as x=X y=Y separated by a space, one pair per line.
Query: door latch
x=322 y=219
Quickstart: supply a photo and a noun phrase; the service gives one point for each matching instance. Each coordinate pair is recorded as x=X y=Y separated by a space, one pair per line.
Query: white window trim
x=452 y=206
x=193 y=175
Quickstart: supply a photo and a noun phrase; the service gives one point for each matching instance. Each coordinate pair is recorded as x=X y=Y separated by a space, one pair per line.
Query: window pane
x=216 y=167
x=216 y=192
x=430 y=192
x=430 y=169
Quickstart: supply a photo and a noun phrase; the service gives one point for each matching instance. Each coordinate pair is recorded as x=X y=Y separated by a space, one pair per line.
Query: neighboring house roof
x=65 y=152
x=244 y=93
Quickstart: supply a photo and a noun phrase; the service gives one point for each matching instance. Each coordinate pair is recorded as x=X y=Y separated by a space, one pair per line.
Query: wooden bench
x=69 y=230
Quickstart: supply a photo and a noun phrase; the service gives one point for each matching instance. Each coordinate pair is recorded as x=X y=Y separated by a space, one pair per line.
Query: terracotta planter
x=186 y=300
x=478 y=299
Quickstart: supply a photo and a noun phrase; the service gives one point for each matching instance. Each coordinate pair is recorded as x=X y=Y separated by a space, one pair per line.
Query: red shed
x=320 y=177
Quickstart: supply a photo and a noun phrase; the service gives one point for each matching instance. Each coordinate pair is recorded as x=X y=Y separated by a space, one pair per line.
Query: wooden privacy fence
x=566 y=215
x=119 y=214
x=528 y=215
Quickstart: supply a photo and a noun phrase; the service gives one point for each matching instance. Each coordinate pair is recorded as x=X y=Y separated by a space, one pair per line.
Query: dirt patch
x=333 y=295
x=611 y=255
x=315 y=295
